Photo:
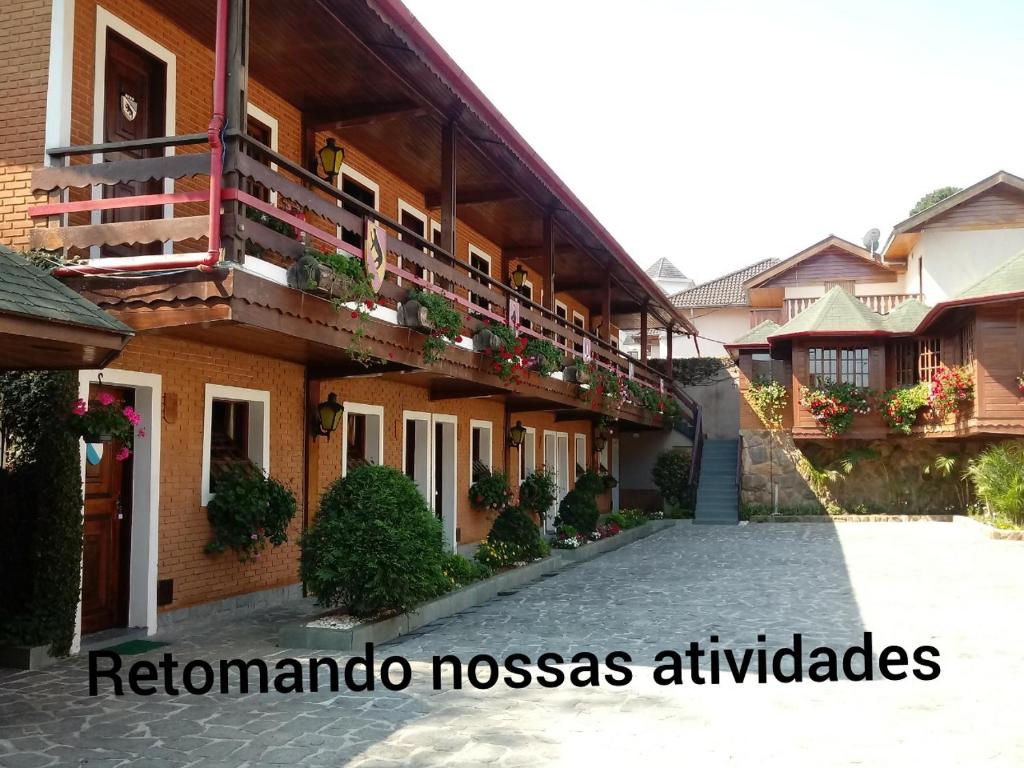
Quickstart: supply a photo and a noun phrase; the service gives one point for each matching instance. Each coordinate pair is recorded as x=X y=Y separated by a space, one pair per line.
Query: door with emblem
x=135 y=88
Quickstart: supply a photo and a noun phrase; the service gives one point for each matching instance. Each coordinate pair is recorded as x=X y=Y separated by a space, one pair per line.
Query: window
x=905 y=357
x=580 y=322
x=481 y=261
x=929 y=358
x=821 y=366
x=966 y=343
x=528 y=454
x=263 y=134
x=480 y=448
x=363 y=190
x=602 y=458
x=527 y=293
x=362 y=436
x=849 y=366
x=416 y=222
x=562 y=313
x=580 y=448
x=761 y=366
x=235 y=430
x=854 y=366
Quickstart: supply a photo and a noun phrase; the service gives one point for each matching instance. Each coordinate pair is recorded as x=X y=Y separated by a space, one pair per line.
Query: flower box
x=414 y=315
x=576 y=374
x=485 y=339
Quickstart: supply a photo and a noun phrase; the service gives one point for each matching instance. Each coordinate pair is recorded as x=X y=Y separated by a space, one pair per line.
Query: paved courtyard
x=912 y=584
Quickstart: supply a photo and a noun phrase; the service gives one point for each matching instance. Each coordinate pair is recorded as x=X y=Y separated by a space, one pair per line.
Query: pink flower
x=79 y=408
x=142 y=433
x=123 y=454
x=132 y=415
x=253 y=536
x=106 y=398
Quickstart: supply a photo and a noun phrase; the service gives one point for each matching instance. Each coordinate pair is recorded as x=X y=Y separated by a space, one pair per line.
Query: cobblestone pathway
x=908 y=584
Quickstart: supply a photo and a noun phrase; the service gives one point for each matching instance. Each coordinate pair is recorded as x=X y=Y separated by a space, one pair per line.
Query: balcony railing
x=77 y=219
x=881 y=303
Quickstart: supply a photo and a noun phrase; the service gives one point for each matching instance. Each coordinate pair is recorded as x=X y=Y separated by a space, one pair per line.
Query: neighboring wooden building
x=178 y=215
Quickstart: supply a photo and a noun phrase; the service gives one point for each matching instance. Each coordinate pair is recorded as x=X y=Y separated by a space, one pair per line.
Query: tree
x=933 y=197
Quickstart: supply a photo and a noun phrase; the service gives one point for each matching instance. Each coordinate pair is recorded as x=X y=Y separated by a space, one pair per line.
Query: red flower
x=354 y=314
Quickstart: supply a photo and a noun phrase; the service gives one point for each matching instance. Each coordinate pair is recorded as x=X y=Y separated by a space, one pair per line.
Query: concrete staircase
x=717 y=492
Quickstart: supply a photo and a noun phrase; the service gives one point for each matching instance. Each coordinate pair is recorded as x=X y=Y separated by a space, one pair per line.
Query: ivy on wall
x=40 y=510
x=694 y=371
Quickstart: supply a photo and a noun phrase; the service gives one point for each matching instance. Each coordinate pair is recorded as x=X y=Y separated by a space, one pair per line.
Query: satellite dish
x=871 y=240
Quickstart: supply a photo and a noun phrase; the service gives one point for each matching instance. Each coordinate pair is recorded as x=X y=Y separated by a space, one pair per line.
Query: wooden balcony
x=882 y=303
x=84 y=226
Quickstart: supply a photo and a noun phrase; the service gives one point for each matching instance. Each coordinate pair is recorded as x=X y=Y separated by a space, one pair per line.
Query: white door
x=429 y=458
x=556 y=461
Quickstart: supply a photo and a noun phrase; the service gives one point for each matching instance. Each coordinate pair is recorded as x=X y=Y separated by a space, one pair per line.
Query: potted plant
x=952 y=391
x=248 y=512
x=541 y=357
x=833 y=405
x=578 y=372
x=490 y=490
x=105 y=420
x=900 y=406
x=433 y=314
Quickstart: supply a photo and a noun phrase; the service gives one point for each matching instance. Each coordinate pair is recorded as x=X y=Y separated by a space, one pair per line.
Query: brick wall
x=186 y=368
x=25 y=42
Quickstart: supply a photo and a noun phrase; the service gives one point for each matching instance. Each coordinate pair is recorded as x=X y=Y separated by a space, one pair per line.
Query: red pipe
x=207 y=262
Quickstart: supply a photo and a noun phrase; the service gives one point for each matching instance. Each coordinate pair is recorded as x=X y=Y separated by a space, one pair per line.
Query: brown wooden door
x=135 y=91
x=105 y=558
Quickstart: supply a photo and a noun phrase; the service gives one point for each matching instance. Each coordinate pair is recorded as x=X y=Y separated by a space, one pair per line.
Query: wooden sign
x=375 y=249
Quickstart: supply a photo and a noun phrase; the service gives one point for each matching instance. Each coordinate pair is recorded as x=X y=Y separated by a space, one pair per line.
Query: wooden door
x=105 y=557
x=135 y=91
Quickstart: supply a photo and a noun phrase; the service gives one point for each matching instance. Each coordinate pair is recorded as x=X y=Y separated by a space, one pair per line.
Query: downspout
x=213 y=133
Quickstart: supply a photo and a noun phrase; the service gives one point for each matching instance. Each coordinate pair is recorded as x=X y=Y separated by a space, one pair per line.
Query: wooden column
x=236 y=111
x=449 y=166
x=643 y=333
x=668 y=349
x=606 y=308
x=311 y=480
x=549 y=262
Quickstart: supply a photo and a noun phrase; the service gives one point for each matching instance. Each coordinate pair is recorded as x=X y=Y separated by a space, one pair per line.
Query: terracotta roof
x=29 y=291
x=663 y=269
x=722 y=291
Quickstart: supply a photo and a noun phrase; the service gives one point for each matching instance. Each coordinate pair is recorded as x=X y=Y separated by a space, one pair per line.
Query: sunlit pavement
x=909 y=584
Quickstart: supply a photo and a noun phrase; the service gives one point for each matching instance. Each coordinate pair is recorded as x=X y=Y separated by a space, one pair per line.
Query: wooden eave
x=28 y=343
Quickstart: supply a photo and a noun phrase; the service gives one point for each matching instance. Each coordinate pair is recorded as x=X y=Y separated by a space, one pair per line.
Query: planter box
x=322 y=638
x=484 y=340
x=413 y=315
x=576 y=374
x=26 y=656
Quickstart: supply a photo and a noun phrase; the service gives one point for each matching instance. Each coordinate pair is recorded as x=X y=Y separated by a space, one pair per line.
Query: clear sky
x=720 y=132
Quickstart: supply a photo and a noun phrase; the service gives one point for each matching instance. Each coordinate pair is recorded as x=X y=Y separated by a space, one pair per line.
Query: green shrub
x=459 y=571
x=40 y=510
x=490 y=490
x=248 y=511
x=671 y=475
x=620 y=520
x=590 y=484
x=537 y=493
x=998 y=477
x=632 y=517
x=375 y=545
x=517 y=531
x=767 y=398
x=578 y=510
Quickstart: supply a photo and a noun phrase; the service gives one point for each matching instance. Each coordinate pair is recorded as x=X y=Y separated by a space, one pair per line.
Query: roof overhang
x=822 y=245
x=30 y=343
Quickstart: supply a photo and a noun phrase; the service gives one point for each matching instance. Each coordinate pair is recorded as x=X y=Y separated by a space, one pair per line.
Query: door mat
x=134 y=647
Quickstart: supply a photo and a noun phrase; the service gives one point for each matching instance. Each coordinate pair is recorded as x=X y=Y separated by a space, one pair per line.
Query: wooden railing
x=882 y=303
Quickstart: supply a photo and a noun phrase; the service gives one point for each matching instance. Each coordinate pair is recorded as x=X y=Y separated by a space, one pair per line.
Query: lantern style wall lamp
x=518 y=277
x=516 y=435
x=600 y=437
x=331 y=158
x=329 y=415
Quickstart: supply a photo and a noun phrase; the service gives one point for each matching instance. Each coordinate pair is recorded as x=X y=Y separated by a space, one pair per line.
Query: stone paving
x=909 y=584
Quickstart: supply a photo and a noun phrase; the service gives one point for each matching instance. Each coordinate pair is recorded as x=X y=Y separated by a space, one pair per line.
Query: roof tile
x=722 y=291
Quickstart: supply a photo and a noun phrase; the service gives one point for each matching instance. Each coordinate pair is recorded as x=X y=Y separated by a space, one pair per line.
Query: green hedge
x=40 y=511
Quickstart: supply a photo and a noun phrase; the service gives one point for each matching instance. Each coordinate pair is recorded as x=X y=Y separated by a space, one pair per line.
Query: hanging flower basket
x=104 y=420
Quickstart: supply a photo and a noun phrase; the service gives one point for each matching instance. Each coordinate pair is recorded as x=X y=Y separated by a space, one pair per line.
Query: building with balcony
x=944 y=296
x=335 y=130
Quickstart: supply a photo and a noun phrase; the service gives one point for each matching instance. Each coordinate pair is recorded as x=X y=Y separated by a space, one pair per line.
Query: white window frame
x=414 y=211
x=259 y=423
x=484 y=425
x=366 y=410
x=577 y=316
x=359 y=178
x=473 y=250
x=577 y=439
x=530 y=439
x=271 y=122
x=550 y=464
x=105 y=21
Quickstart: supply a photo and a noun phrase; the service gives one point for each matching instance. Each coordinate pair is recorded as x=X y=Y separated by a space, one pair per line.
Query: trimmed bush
x=590 y=483
x=459 y=571
x=375 y=545
x=578 y=510
x=40 y=511
x=248 y=511
x=514 y=528
x=671 y=475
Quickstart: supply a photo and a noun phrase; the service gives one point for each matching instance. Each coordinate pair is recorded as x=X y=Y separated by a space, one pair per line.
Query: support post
x=606 y=308
x=668 y=349
x=449 y=165
x=311 y=481
x=236 y=110
x=643 y=333
x=549 y=262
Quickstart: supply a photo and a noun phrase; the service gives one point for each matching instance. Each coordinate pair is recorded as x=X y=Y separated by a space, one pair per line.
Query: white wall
x=715 y=325
x=955 y=260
